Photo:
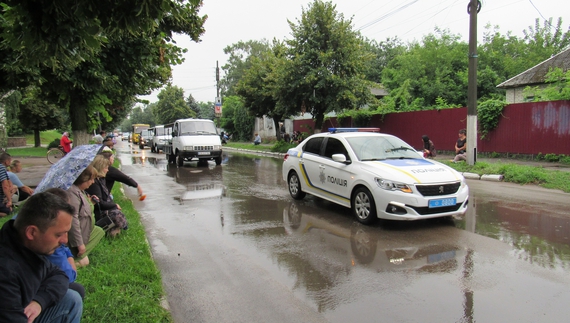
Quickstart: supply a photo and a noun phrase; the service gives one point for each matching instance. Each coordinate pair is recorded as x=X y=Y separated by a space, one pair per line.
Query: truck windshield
x=198 y=127
x=159 y=132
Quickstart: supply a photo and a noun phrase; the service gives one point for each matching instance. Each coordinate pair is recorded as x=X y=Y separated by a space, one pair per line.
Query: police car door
x=338 y=176
x=311 y=166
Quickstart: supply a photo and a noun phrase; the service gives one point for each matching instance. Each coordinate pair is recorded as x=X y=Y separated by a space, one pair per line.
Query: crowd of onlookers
x=50 y=235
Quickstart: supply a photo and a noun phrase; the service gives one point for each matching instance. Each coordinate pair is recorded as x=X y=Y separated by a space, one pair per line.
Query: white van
x=194 y=139
x=160 y=138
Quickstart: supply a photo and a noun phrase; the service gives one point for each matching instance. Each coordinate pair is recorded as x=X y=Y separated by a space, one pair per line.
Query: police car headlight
x=392 y=186
x=188 y=147
x=217 y=147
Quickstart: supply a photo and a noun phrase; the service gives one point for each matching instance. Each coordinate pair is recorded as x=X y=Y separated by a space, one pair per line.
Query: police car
x=376 y=175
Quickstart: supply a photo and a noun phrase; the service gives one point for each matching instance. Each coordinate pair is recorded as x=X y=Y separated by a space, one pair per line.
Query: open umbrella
x=63 y=173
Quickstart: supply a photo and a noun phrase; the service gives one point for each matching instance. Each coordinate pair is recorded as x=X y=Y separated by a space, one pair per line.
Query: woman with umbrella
x=105 y=203
x=84 y=235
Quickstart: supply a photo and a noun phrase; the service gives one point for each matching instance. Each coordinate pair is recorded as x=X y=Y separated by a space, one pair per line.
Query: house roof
x=378 y=92
x=535 y=75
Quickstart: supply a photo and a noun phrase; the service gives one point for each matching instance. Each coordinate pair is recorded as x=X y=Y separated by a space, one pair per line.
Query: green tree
x=236 y=119
x=434 y=68
x=172 y=106
x=325 y=67
x=206 y=110
x=192 y=104
x=383 y=52
x=144 y=114
x=259 y=86
x=239 y=62
x=65 y=42
x=11 y=104
x=37 y=114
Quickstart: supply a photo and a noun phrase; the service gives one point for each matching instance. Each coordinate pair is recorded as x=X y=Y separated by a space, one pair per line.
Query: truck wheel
x=152 y=150
x=180 y=160
x=218 y=160
x=171 y=159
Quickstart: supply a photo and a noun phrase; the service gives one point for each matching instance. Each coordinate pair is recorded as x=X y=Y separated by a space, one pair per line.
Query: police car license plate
x=203 y=153
x=442 y=202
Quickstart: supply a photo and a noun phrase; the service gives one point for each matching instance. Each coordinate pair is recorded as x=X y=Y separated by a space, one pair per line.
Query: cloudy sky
x=230 y=21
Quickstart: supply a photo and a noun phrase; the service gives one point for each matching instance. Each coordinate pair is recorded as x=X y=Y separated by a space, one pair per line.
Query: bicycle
x=55 y=154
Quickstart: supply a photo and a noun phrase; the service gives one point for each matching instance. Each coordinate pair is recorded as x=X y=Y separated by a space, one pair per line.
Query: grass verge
x=520 y=174
x=45 y=137
x=28 y=152
x=122 y=282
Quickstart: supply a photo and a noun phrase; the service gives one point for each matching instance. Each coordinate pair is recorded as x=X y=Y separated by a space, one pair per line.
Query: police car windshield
x=198 y=128
x=380 y=148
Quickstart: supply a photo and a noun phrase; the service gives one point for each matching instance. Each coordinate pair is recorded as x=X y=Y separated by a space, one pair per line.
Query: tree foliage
x=172 y=106
x=324 y=71
x=38 y=114
x=557 y=88
x=94 y=56
x=236 y=119
x=239 y=61
x=260 y=85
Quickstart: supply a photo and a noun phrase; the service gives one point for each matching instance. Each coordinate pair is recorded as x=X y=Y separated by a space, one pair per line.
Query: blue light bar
x=335 y=130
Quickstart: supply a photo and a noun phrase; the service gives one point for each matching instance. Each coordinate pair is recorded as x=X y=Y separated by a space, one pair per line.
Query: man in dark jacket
x=31 y=287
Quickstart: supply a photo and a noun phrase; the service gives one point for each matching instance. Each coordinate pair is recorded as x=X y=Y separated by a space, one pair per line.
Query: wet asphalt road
x=233 y=246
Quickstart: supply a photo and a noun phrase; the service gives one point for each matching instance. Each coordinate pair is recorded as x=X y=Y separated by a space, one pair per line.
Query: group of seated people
x=93 y=214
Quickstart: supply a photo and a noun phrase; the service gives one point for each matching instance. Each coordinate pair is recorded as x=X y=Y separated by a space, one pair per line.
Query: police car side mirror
x=340 y=158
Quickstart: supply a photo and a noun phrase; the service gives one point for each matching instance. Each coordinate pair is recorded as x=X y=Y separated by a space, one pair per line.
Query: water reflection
x=536 y=236
x=201 y=180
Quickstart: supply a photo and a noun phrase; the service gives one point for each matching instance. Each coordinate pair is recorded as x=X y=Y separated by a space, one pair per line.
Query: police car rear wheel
x=295 y=186
x=363 y=206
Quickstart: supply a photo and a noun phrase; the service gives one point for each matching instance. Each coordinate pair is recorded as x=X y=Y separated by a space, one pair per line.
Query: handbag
x=105 y=221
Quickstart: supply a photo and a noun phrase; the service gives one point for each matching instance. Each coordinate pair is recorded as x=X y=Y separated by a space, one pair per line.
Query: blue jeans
x=67 y=310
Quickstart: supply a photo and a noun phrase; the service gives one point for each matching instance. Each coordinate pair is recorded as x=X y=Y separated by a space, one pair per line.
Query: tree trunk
x=318 y=122
x=80 y=137
x=37 y=140
x=79 y=121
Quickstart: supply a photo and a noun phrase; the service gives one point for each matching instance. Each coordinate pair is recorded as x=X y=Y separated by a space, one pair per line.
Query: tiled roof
x=535 y=75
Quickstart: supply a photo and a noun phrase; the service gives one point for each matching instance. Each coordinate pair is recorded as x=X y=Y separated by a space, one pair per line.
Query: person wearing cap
x=65 y=142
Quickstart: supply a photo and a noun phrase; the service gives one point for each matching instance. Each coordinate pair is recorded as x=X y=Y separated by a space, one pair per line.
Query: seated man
x=257 y=139
x=31 y=287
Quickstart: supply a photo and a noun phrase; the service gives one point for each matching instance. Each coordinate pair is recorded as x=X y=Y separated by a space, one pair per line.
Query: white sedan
x=376 y=175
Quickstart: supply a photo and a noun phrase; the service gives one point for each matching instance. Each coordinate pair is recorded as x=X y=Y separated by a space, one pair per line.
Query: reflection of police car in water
x=377 y=175
x=342 y=244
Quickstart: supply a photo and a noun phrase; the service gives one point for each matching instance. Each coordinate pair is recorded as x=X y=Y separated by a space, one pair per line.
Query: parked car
x=376 y=175
x=126 y=136
x=145 y=139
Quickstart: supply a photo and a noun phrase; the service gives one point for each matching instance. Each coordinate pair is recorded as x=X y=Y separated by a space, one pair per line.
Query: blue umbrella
x=63 y=173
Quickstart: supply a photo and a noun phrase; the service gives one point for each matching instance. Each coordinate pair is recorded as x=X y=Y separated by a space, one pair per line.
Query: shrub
x=53 y=144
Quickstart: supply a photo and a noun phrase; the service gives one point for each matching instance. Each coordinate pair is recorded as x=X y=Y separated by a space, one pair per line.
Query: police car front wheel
x=363 y=206
x=295 y=186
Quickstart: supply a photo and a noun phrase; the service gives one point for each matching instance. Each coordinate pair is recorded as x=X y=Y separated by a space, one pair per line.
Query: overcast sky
x=230 y=21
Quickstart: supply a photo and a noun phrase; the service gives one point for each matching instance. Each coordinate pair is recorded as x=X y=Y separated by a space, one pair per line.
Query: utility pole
x=218 y=101
x=473 y=8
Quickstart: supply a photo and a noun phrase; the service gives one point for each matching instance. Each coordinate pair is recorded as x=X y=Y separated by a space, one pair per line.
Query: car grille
x=440 y=189
x=203 y=147
x=426 y=210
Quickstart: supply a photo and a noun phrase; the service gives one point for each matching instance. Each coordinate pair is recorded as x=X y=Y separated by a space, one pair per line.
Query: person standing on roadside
x=7 y=187
x=65 y=142
x=461 y=146
x=31 y=287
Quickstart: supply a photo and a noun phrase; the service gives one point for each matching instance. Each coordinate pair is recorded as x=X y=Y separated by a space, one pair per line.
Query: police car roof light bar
x=335 y=130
